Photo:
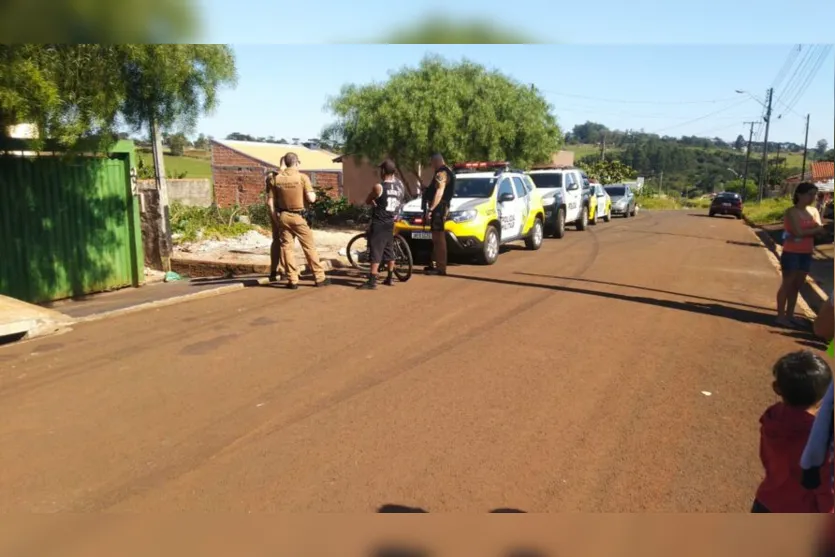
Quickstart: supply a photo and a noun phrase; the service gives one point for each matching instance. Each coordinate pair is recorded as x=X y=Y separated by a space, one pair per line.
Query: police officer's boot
x=371 y=284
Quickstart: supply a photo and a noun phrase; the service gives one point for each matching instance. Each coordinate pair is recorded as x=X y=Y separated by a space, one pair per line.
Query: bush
x=769 y=211
x=191 y=224
x=658 y=203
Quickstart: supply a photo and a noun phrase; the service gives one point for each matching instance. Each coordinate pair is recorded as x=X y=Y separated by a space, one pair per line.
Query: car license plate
x=421 y=235
x=726 y=204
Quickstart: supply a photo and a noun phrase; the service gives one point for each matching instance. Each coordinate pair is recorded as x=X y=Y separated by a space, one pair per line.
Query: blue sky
x=282 y=89
x=601 y=21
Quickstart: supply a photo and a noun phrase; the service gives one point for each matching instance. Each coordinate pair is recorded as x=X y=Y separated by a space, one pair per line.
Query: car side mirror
x=506 y=197
x=573 y=187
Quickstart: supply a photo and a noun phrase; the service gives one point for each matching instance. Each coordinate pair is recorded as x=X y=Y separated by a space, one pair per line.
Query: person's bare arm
x=824 y=325
x=440 y=182
x=794 y=225
x=271 y=205
x=375 y=193
x=309 y=194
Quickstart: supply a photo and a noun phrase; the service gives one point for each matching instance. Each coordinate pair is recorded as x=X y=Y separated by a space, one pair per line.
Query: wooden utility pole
x=747 y=156
x=603 y=149
x=764 y=172
x=165 y=246
x=805 y=147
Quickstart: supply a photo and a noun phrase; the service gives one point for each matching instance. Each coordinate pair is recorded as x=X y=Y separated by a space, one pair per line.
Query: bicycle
x=359 y=255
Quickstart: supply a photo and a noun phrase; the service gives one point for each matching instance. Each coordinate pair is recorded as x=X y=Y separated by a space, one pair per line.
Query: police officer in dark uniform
x=386 y=199
x=436 y=201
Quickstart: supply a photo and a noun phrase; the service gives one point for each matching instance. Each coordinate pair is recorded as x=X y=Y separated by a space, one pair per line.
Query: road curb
x=226 y=289
x=774 y=251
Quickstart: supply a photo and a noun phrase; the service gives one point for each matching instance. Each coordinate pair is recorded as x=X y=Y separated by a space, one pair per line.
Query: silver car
x=623 y=200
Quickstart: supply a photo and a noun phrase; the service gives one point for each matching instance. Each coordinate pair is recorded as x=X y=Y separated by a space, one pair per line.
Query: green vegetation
x=434 y=30
x=183 y=167
x=770 y=211
x=461 y=109
x=189 y=224
x=658 y=203
x=77 y=91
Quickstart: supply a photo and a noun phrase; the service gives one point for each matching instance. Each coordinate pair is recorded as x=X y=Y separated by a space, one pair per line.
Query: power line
x=795 y=50
x=600 y=99
x=708 y=115
x=798 y=75
x=824 y=53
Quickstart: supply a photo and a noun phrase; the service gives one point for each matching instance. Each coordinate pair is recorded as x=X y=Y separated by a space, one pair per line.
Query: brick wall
x=239 y=179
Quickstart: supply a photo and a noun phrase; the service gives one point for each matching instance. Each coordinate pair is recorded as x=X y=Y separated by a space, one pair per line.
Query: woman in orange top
x=801 y=224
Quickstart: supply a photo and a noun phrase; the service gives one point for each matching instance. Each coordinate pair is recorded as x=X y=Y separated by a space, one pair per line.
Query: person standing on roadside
x=292 y=190
x=437 y=198
x=386 y=199
x=801 y=223
x=275 y=246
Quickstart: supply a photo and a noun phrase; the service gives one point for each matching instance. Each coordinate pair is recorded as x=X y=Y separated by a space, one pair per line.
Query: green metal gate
x=68 y=226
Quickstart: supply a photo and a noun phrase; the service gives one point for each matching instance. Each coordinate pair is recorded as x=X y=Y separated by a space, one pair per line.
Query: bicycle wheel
x=402 y=259
x=358 y=252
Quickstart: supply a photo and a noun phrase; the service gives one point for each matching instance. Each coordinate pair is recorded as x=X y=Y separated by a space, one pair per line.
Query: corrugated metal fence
x=68 y=227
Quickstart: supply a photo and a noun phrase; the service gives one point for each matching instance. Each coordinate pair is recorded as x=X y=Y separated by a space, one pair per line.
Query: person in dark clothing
x=436 y=201
x=386 y=199
x=801 y=379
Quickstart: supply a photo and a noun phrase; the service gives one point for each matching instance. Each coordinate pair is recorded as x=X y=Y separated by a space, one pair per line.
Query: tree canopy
x=97 y=21
x=461 y=110
x=72 y=91
x=608 y=171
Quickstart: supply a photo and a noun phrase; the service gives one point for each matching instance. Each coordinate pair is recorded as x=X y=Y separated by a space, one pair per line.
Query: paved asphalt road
x=569 y=379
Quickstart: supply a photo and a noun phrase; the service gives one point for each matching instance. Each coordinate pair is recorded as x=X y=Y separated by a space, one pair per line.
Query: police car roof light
x=489 y=165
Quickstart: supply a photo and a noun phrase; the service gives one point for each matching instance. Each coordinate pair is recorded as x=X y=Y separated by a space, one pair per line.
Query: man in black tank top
x=436 y=201
x=386 y=200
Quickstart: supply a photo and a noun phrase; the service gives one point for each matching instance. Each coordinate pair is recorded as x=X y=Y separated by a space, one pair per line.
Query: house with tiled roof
x=240 y=167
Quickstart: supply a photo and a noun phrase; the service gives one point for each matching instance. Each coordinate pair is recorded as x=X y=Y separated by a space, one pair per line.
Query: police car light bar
x=481 y=165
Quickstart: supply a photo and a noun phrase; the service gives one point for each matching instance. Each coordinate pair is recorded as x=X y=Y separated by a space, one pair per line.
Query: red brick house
x=240 y=167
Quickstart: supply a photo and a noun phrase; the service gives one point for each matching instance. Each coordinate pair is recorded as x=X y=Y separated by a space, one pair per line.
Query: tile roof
x=823 y=171
x=271 y=153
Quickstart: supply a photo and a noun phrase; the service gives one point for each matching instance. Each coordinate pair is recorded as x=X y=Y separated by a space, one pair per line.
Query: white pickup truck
x=565 y=196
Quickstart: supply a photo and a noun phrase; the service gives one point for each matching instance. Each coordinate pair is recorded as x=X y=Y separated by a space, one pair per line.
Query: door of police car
x=510 y=212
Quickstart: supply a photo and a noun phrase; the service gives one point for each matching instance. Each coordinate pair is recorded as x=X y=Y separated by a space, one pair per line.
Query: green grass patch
x=697 y=203
x=658 y=203
x=190 y=224
x=770 y=211
x=193 y=167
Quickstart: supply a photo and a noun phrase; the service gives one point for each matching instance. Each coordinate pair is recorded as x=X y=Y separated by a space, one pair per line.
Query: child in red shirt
x=801 y=379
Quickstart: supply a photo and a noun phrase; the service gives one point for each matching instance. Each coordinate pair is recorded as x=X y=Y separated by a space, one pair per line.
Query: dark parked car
x=727 y=203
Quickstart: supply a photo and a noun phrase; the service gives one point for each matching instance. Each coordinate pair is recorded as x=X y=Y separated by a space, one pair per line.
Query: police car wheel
x=534 y=241
x=490 y=250
x=559 y=230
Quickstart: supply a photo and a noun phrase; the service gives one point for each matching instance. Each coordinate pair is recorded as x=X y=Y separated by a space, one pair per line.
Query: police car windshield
x=616 y=191
x=474 y=187
x=549 y=180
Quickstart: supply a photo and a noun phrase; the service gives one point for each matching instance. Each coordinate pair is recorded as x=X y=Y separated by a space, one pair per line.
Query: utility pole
x=162 y=188
x=747 y=155
x=661 y=183
x=767 y=118
x=805 y=147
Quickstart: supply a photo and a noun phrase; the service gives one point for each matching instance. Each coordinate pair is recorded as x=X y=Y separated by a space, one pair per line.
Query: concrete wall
x=239 y=179
x=359 y=175
x=194 y=192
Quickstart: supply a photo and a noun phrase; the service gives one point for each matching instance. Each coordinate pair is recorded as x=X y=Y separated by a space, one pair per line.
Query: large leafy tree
x=70 y=91
x=608 y=171
x=461 y=110
x=97 y=21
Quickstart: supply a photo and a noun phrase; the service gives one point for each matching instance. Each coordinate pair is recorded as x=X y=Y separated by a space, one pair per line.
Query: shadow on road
x=805 y=338
x=216 y=281
x=714 y=309
x=644 y=288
